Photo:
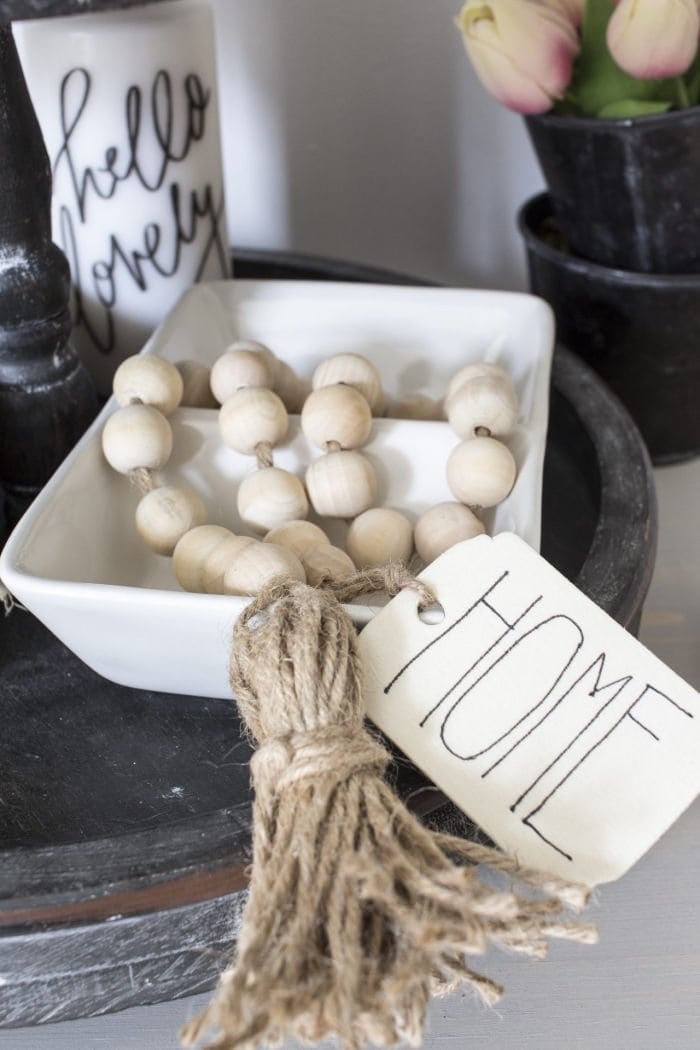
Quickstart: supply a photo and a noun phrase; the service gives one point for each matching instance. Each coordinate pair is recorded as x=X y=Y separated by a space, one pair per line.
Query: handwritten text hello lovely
x=112 y=260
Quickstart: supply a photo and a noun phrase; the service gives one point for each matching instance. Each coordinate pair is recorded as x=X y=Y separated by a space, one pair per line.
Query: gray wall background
x=356 y=128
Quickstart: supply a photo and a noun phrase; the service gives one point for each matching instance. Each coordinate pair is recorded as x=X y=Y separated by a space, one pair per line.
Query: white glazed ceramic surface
x=76 y=561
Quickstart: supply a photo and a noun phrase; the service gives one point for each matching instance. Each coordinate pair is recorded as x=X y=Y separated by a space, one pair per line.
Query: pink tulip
x=521 y=50
x=652 y=39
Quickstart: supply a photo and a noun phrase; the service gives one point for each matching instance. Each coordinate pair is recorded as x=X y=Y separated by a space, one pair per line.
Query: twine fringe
x=357 y=914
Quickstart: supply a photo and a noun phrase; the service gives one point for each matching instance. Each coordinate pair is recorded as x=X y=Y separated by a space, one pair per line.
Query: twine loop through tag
x=389 y=579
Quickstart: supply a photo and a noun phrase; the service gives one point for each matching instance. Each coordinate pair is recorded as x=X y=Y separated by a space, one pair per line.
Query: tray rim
x=623 y=605
x=118 y=939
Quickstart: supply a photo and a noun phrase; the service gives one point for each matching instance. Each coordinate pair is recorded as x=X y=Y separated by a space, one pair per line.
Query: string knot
x=263 y=455
x=142 y=478
x=338 y=752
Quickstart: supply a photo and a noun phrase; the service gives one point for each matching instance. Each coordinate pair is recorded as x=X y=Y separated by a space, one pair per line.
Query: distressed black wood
x=81 y=971
x=46 y=396
x=125 y=815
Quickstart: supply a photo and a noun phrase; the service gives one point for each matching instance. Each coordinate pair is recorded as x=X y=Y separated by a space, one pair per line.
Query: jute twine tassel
x=356 y=913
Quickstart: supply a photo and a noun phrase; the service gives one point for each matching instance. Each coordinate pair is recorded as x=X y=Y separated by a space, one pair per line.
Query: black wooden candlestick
x=46 y=396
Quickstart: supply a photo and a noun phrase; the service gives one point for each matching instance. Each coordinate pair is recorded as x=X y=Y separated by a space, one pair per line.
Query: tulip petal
x=521 y=51
x=502 y=78
x=654 y=39
x=571 y=9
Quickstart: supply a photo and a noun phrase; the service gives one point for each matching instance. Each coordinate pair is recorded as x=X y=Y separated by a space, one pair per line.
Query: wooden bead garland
x=137 y=441
x=481 y=471
x=336 y=416
x=338 y=419
x=167 y=513
x=481 y=402
x=484 y=405
x=257 y=564
x=321 y=560
x=379 y=536
x=247 y=362
x=192 y=552
x=239 y=366
x=443 y=525
x=252 y=420
x=356 y=371
x=150 y=380
x=474 y=371
x=137 y=436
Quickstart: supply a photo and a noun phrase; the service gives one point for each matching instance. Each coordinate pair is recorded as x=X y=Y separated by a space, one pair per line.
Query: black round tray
x=125 y=815
x=15 y=10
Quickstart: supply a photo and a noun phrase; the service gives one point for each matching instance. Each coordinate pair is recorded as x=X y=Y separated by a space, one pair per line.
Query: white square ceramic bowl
x=76 y=561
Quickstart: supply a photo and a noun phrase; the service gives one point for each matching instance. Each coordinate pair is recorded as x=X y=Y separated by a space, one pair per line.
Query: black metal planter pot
x=625 y=192
x=639 y=331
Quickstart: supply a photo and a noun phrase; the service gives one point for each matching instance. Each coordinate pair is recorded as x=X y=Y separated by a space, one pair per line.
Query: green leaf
x=598 y=81
x=692 y=81
x=632 y=107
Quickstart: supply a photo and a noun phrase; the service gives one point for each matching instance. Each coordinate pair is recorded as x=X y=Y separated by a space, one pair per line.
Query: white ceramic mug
x=127 y=104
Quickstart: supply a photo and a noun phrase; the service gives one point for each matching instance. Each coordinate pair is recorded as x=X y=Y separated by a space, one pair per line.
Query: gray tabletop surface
x=639 y=989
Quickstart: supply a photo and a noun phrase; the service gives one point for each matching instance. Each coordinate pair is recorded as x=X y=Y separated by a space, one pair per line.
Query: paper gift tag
x=555 y=730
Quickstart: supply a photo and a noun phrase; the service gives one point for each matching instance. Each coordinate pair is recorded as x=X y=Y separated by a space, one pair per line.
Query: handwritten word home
x=543 y=719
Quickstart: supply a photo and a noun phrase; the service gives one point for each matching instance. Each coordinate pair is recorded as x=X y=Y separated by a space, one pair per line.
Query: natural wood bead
x=196 y=391
x=164 y=515
x=256 y=347
x=477 y=368
x=191 y=553
x=341 y=484
x=258 y=564
x=483 y=404
x=298 y=536
x=326 y=563
x=481 y=471
x=379 y=536
x=236 y=369
x=137 y=436
x=289 y=386
x=443 y=525
x=356 y=371
x=217 y=562
x=336 y=413
x=414 y=406
x=270 y=497
x=148 y=379
x=252 y=415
